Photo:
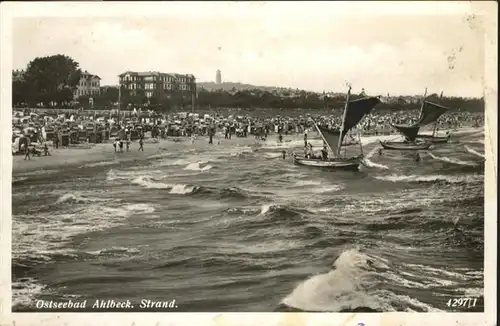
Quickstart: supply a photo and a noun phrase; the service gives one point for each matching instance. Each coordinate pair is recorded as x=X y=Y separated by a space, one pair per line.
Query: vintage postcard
x=319 y=163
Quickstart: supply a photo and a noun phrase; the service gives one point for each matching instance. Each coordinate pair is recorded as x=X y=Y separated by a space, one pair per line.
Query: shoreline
x=71 y=157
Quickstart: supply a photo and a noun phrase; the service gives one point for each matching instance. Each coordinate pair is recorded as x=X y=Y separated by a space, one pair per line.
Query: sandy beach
x=87 y=154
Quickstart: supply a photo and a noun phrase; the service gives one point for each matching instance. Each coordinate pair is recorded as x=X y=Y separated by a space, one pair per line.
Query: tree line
x=53 y=80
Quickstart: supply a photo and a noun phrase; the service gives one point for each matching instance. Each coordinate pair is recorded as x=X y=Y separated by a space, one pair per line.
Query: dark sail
x=408 y=131
x=331 y=137
x=430 y=113
x=356 y=110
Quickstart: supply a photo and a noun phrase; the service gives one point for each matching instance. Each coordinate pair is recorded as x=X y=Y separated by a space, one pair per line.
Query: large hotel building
x=89 y=85
x=157 y=83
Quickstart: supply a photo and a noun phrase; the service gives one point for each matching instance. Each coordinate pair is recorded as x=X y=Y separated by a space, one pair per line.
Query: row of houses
x=152 y=82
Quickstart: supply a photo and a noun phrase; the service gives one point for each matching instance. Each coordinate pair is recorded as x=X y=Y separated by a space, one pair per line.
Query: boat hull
x=434 y=139
x=351 y=164
x=402 y=146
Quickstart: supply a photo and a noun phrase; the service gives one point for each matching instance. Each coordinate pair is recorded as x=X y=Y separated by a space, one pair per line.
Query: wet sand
x=80 y=155
x=95 y=153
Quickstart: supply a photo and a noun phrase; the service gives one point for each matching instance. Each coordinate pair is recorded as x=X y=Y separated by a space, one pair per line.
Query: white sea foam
x=18 y=179
x=170 y=162
x=272 y=155
x=103 y=163
x=341 y=288
x=265 y=208
x=327 y=188
x=25 y=290
x=140 y=207
x=197 y=166
x=52 y=231
x=147 y=182
x=182 y=189
x=415 y=303
x=131 y=174
x=301 y=183
x=76 y=198
x=369 y=163
x=430 y=178
x=472 y=151
x=451 y=160
x=114 y=250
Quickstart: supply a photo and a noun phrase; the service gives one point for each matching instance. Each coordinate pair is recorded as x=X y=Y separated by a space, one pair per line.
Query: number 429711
x=462 y=302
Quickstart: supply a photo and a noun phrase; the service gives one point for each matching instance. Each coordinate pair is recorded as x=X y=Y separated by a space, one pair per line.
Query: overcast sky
x=315 y=47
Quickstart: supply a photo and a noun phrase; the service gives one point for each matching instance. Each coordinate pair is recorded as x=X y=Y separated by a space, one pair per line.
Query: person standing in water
x=283 y=153
x=280 y=137
x=56 y=139
x=324 y=153
x=141 y=143
x=46 y=150
x=27 y=153
x=127 y=144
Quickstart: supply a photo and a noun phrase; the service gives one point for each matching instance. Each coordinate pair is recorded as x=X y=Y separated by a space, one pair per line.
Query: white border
x=487 y=10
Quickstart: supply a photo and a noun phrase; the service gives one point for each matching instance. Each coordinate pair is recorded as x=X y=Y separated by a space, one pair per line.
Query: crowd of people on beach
x=33 y=133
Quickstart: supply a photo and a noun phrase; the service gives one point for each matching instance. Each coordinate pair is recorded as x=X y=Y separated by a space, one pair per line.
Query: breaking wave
x=345 y=287
x=178 y=189
x=103 y=163
x=452 y=160
x=369 y=163
x=357 y=282
x=75 y=198
x=472 y=151
x=197 y=166
x=431 y=178
x=150 y=183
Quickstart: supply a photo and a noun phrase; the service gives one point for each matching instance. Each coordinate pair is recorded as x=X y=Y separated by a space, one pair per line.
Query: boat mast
x=343 y=118
x=435 y=123
x=423 y=102
x=359 y=141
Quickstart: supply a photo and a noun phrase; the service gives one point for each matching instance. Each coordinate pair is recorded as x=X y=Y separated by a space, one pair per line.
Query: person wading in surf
x=27 y=153
x=46 y=150
x=141 y=143
x=324 y=153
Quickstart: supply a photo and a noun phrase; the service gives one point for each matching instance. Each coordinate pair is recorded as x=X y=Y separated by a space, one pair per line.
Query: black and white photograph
x=250 y=157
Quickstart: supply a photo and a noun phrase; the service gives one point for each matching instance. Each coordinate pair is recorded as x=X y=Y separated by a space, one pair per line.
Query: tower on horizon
x=218 y=77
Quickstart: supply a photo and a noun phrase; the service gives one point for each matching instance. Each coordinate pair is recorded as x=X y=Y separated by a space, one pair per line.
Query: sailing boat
x=354 y=111
x=429 y=113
